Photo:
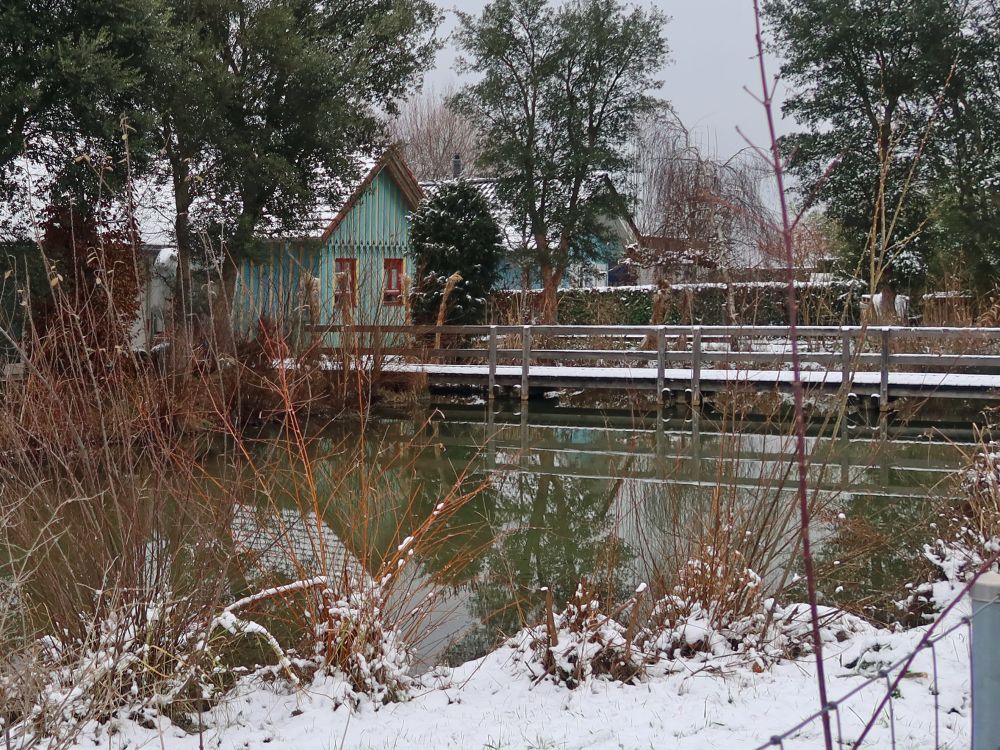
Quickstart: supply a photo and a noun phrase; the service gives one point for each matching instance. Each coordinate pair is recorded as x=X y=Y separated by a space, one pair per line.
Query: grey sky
x=712 y=51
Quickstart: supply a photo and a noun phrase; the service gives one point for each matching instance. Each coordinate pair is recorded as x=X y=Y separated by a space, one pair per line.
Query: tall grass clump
x=114 y=562
x=154 y=549
x=338 y=542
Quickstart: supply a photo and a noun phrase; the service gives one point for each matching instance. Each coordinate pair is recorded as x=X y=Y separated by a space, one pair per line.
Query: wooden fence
x=844 y=356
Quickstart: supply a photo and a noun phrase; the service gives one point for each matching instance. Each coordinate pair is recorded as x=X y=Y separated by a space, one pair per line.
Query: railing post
x=883 y=389
x=491 y=439
x=696 y=366
x=493 y=362
x=525 y=360
x=986 y=662
x=845 y=360
x=661 y=356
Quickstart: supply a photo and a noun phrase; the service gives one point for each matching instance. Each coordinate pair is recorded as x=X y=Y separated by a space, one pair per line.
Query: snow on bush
x=142 y=659
x=132 y=653
x=768 y=635
x=355 y=652
x=959 y=558
x=583 y=643
x=356 y=646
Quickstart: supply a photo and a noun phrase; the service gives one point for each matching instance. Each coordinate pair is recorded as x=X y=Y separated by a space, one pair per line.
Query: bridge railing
x=846 y=349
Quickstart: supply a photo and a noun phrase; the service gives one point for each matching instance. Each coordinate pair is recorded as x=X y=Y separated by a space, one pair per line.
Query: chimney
x=456 y=166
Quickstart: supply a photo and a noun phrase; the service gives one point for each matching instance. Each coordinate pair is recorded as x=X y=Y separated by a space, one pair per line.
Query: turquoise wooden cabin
x=352 y=271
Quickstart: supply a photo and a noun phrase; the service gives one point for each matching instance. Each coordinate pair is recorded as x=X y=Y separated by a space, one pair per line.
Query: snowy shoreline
x=698 y=703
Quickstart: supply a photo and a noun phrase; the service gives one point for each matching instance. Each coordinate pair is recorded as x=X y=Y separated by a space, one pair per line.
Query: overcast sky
x=712 y=58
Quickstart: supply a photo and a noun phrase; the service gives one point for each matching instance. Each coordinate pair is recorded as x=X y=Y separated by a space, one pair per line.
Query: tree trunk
x=551 y=279
x=222 y=308
x=183 y=288
x=731 y=317
x=658 y=315
x=182 y=344
x=233 y=252
x=886 y=312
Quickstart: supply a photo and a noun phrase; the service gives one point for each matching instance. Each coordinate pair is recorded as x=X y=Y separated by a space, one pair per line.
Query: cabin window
x=393 y=268
x=347 y=281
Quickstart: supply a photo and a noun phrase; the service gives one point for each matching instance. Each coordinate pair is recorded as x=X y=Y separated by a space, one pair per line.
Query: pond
x=559 y=495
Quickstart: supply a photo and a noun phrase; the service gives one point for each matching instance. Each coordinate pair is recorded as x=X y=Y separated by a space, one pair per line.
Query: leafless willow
x=431 y=134
x=697 y=210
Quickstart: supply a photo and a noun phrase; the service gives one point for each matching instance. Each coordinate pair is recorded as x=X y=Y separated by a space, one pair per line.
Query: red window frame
x=349 y=266
x=392 y=269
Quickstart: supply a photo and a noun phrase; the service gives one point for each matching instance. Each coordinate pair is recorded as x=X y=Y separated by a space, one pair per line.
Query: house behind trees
x=351 y=270
x=519 y=271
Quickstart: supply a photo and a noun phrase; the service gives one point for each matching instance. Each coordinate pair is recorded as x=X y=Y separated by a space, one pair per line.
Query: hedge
x=755 y=303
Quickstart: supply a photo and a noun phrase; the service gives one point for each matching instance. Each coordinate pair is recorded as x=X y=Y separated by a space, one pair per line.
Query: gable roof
x=629 y=220
x=392 y=161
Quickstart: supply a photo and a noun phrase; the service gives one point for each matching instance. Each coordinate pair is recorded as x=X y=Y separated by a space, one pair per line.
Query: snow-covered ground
x=692 y=704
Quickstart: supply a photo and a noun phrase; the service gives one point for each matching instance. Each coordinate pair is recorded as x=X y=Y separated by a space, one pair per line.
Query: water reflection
x=616 y=498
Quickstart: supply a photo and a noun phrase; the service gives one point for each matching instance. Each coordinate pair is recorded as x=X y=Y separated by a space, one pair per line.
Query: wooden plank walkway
x=938 y=384
x=884 y=362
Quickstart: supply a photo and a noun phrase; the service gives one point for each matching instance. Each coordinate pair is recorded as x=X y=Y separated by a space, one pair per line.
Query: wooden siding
x=271 y=287
x=376 y=228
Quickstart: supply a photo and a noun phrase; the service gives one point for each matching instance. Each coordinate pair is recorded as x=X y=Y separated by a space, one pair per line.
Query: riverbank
x=493 y=702
x=595 y=495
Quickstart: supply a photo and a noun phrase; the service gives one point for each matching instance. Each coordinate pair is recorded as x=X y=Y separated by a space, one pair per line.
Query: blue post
x=986 y=662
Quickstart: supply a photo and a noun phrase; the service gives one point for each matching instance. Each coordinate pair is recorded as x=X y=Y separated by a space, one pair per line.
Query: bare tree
x=815 y=241
x=431 y=134
x=697 y=210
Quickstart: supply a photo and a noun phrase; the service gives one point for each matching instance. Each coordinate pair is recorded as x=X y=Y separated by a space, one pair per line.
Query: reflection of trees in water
x=552 y=531
x=615 y=506
x=518 y=533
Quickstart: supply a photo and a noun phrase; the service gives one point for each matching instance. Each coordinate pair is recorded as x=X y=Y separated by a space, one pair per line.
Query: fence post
x=491 y=439
x=696 y=366
x=661 y=355
x=883 y=389
x=493 y=362
x=525 y=359
x=845 y=361
x=986 y=662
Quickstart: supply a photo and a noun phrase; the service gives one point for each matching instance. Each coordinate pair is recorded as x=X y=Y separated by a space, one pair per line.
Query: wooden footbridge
x=689 y=361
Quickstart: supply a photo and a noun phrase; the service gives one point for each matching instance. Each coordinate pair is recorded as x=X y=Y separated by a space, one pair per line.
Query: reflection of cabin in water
x=293 y=545
x=351 y=271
